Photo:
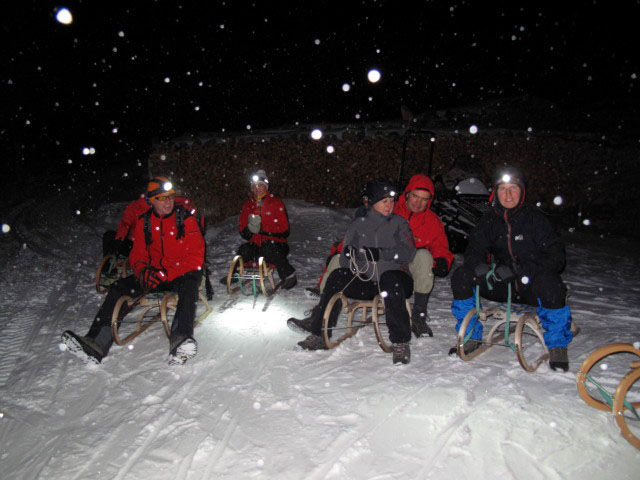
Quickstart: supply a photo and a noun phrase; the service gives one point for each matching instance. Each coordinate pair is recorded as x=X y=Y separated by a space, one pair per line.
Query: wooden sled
x=154 y=308
x=251 y=278
x=370 y=313
x=524 y=327
x=626 y=412
x=110 y=269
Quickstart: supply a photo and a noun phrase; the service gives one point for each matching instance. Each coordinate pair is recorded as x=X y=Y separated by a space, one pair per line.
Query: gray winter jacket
x=391 y=235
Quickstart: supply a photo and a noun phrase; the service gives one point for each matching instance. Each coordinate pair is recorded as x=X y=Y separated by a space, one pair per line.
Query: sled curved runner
x=371 y=312
x=527 y=343
x=626 y=411
x=110 y=269
x=248 y=277
x=154 y=308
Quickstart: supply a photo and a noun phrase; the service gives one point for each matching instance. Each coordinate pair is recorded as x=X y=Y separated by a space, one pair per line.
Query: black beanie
x=377 y=190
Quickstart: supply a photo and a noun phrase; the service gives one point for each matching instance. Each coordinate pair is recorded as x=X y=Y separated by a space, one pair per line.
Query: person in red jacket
x=433 y=257
x=264 y=223
x=167 y=254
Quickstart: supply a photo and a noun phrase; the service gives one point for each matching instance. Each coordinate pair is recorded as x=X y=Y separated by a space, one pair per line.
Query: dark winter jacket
x=521 y=238
x=390 y=234
x=127 y=225
x=428 y=231
x=274 y=220
x=166 y=251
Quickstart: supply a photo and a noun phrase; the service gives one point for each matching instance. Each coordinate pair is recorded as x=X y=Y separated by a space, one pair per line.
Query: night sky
x=119 y=76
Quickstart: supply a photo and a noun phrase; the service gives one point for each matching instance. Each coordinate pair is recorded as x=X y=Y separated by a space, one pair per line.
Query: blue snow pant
x=546 y=291
x=186 y=286
x=397 y=284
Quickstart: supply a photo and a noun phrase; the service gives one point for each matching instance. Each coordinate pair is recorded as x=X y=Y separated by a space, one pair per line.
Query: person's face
x=162 y=204
x=259 y=189
x=384 y=206
x=509 y=195
x=417 y=200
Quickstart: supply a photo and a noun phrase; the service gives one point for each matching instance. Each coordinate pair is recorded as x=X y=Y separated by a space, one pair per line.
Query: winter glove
x=481 y=271
x=152 y=277
x=254 y=223
x=117 y=247
x=440 y=267
x=505 y=273
x=372 y=254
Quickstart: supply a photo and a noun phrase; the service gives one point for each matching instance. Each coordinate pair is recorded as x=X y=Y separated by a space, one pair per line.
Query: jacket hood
x=418 y=182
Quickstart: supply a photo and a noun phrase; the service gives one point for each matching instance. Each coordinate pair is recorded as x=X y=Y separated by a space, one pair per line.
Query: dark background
x=237 y=66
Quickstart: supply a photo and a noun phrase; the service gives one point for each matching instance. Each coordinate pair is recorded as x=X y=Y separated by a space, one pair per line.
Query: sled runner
x=371 y=312
x=626 y=411
x=151 y=308
x=251 y=278
x=111 y=268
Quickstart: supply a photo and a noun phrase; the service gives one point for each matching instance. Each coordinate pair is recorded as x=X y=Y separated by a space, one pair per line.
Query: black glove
x=152 y=277
x=481 y=270
x=372 y=254
x=117 y=246
x=441 y=267
x=505 y=273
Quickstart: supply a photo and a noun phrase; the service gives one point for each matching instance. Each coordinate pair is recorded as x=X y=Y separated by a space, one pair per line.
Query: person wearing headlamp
x=167 y=254
x=264 y=223
x=528 y=255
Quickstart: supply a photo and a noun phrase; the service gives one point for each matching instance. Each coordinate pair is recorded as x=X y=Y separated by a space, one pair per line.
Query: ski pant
x=273 y=252
x=108 y=247
x=186 y=286
x=421 y=269
x=546 y=291
x=397 y=284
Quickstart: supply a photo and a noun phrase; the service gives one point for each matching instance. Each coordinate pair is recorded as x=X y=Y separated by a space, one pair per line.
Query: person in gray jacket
x=378 y=249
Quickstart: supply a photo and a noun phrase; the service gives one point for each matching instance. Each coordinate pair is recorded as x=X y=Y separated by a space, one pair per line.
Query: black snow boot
x=313 y=342
x=419 y=317
x=82 y=347
x=290 y=282
x=559 y=358
x=468 y=347
x=303 y=325
x=401 y=353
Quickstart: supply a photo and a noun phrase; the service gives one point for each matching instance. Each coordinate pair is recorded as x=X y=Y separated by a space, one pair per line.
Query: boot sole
x=186 y=350
x=75 y=348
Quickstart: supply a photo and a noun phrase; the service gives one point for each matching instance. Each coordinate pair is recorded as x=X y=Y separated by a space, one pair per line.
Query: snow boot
x=313 y=342
x=419 y=316
x=312 y=293
x=82 y=347
x=468 y=347
x=303 y=325
x=559 y=359
x=184 y=351
x=401 y=353
x=290 y=282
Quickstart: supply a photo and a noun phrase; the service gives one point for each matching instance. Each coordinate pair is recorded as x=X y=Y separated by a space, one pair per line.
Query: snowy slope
x=253 y=405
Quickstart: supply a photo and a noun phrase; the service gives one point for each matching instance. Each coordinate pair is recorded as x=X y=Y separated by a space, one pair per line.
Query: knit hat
x=508 y=174
x=159 y=186
x=377 y=190
x=259 y=176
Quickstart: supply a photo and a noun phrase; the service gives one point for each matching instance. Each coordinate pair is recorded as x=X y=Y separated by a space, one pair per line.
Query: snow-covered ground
x=253 y=405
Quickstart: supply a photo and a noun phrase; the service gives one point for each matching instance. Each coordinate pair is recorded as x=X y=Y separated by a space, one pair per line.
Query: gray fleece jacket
x=391 y=235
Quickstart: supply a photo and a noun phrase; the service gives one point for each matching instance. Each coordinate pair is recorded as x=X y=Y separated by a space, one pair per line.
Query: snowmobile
x=461 y=210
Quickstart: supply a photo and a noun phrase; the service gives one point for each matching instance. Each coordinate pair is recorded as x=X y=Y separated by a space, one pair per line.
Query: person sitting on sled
x=264 y=223
x=433 y=256
x=167 y=254
x=375 y=259
x=528 y=255
x=120 y=241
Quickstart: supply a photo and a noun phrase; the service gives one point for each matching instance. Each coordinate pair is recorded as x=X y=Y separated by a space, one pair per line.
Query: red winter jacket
x=273 y=214
x=166 y=251
x=140 y=206
x=428 y=231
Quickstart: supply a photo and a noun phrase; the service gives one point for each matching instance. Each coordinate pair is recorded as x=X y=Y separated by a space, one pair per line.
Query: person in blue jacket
x=528 y=255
